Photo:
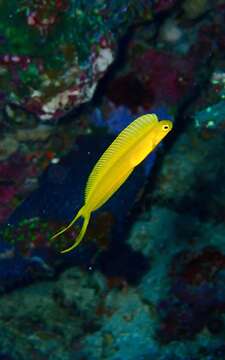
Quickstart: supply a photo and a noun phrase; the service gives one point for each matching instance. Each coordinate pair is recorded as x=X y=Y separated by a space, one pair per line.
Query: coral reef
x=47 y=321
x=54 y=53
x=148 y=281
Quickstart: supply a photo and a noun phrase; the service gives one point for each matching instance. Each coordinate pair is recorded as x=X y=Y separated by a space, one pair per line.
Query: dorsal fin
x=131 y=134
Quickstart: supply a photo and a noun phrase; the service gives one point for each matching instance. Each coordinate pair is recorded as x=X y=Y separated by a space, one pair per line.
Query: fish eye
x=165 y=127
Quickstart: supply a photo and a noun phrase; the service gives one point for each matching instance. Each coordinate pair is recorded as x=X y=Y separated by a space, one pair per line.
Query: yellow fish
x=128 y=150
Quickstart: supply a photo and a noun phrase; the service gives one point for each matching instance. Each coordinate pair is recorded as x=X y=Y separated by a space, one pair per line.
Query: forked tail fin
x=86 y=216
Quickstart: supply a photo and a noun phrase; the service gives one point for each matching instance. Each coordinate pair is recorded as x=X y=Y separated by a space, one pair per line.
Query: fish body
x=116 y=164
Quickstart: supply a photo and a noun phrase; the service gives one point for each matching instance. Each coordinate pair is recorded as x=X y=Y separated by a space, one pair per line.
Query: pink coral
x=163 y=5
x=7 y=193
x=165 y=76
x=12 y=176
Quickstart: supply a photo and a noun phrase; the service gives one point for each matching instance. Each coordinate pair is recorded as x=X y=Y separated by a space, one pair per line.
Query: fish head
x=161 y=130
